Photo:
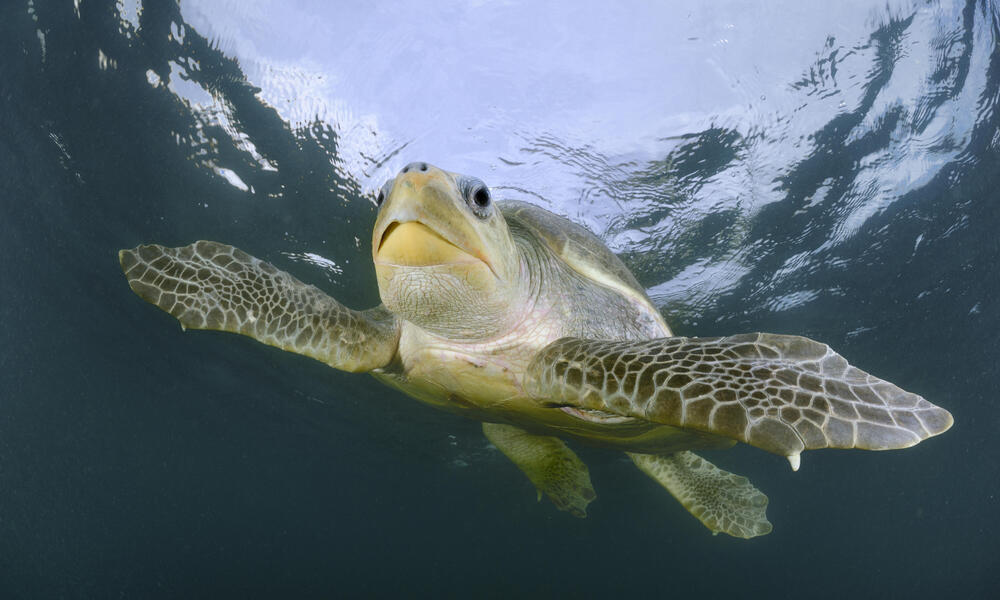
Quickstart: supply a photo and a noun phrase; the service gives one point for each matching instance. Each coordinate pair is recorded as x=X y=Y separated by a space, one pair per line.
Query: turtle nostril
x=416 y=166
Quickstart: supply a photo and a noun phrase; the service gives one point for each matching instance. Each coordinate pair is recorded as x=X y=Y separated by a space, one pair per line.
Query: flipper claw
x=794 y=460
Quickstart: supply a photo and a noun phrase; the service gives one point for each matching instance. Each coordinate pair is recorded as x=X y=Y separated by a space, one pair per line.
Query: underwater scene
x=562 y=258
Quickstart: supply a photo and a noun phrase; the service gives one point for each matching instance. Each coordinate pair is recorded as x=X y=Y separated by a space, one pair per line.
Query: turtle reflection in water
x=521 y=319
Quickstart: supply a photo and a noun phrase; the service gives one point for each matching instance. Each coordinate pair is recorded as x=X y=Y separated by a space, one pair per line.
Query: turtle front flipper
x=549 y=464
x=781 y=393
x=719 y=499
x=208 y=285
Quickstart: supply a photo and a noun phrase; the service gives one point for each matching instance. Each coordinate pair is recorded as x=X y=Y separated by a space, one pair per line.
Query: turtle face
x=443 y=255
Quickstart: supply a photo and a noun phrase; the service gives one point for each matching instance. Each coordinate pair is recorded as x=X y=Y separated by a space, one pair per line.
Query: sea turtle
x=525 y=321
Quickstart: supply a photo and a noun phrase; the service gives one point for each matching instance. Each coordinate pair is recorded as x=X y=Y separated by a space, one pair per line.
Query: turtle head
x=443 y=255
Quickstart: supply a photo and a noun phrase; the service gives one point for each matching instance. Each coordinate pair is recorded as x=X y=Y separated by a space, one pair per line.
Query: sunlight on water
x=665 y=129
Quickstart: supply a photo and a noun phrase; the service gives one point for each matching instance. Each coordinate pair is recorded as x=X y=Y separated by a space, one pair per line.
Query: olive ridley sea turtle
x=525 y=321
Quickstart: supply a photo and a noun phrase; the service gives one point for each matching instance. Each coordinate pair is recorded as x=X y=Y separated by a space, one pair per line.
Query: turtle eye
x=383 y=192
x=477 y=195
x=481 y=197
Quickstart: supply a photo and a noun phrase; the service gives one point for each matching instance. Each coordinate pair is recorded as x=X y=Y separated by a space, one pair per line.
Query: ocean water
x=793 y=167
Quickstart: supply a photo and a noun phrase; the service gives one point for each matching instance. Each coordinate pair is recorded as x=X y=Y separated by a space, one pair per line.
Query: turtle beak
x=426 y=222
x=413 y=244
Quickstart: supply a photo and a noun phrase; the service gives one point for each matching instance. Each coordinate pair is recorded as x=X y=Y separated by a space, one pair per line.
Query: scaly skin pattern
x=208 y=285
x=781 y=393
x=550 y=465
x=722 y=501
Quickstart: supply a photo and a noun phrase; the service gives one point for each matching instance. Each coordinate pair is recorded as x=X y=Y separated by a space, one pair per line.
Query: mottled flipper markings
x=781 y=393
x=549 y=464
x=208 y=285
x=721 y=500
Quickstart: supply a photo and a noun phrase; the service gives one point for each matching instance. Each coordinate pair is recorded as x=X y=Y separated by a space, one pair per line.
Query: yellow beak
x=414 y=244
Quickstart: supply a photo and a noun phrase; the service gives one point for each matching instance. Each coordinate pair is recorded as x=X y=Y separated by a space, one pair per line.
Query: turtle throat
x=443 y=288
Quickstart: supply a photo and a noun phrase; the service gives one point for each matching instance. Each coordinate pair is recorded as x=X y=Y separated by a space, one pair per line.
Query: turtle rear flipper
x=781 y=393
x=208 y=285
x=549 y=464
x=719 y=499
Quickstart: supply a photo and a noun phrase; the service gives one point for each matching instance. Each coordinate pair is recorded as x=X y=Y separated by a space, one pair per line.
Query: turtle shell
x=583 y=251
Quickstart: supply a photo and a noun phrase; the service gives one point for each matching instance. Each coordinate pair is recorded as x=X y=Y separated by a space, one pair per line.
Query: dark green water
x=140 y=461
